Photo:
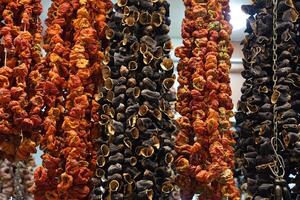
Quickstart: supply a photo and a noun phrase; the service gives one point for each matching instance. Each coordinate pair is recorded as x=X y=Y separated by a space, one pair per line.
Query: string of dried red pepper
x=204 y=141
x=74 y=60
x=20 y=35
x=57 y=45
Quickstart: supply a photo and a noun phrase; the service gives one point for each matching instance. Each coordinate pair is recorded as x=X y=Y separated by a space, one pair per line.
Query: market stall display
x=95 y=92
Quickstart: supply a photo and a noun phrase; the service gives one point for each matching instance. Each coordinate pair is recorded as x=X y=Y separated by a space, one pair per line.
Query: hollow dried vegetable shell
x=136 y=149
x=268 y=105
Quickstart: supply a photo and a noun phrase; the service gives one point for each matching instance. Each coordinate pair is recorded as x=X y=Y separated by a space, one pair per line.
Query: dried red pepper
x=20 y=102
x=74 y=60
x=204 y=141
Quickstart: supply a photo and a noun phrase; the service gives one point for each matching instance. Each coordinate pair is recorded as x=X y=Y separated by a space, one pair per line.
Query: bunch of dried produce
x=267 y=121
x=16 y=179
x=20 y=103
x=205 y=141
x=6 y=181
x=285 y=98
x=74 y=58
x=56 y=71
x=136 y=150
x=254 y=118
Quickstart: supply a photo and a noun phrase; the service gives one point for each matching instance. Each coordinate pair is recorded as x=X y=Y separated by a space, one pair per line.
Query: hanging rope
x=278 y=170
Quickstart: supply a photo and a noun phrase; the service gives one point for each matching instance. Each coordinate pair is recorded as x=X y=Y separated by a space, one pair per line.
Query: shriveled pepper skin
x=74 y=43
x=21 y=100
x=204 y=143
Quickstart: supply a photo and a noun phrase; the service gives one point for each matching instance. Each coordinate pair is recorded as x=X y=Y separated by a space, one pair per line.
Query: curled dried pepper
x=21 y=53
x=203 y=98
x=73 y=43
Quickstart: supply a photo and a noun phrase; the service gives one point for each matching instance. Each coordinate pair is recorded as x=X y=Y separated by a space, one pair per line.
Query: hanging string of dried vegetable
x=283 y=77
x=267 y=117
x=57 y=45
x=254 y=119
x=286 y=95
x=20 y=38
x=16 y=179
x=82 y=86
x=135 y=155
x=74 y=59
x=204 y=142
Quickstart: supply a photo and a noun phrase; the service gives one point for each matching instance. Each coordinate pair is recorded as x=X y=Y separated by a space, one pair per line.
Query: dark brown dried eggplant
x=280 y=86
x=139 y=76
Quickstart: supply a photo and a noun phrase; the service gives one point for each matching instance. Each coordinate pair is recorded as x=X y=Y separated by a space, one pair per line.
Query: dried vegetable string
x=135 y=155
x=285 y=84
x=268 y=125
x=16 y=179
x=74 y=59
x=20 y=39
x=86 y=57
x=204 y=142
x=254 y=118
x=292 y=142
x=278 y=170
x=57 y=46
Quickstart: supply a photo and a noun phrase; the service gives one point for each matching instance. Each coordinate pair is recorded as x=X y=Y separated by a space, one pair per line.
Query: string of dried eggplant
x=286 y=95
x=204 y=143
x=255 y=110
x=135 y=155
x=267 y=119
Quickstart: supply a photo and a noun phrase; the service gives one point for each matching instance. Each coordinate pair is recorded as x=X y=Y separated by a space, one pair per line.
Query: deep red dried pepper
x=20 y=118
x=74 y=61
x=204 y=142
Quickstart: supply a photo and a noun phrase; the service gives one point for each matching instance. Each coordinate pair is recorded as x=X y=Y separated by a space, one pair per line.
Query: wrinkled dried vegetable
x=289 y=75
x=74 y=58
x=255 y=110
x=204 y=142
x=20 y=102
x=135 y=155
x=16 y=179
x=268 y=121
